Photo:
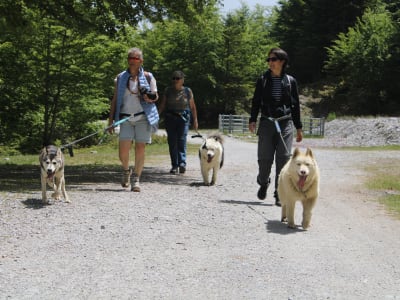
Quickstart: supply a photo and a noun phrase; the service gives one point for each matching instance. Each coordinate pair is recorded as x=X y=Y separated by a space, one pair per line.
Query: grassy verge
x=105 y=154
x=385 y=180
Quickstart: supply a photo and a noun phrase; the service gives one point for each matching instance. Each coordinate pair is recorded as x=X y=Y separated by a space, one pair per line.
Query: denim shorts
x=139 y=131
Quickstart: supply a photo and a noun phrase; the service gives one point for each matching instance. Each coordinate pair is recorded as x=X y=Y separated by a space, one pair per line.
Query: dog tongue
x=302 y=181
x=209 y=159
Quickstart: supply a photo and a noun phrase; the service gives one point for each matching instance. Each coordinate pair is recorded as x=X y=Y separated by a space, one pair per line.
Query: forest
x=58 y=59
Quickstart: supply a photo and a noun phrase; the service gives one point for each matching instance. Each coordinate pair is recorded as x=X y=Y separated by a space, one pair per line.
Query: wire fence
x=239 y=124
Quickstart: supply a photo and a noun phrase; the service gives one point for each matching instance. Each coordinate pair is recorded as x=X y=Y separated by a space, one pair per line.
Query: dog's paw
x=292 y=225
x=305 y=225
x=283 y=219
x=56 y=195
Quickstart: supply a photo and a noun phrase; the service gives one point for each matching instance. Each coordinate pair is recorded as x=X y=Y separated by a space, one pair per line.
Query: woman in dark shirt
x=277 y=98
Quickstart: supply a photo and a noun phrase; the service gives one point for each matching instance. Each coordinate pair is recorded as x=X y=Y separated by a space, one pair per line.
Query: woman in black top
x=277 y=98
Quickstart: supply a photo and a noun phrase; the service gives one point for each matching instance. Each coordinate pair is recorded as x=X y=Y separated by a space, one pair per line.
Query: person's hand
x=195 y=125
x=110 y=129
x=148 y=100
x=299 y=136
x=252 y=127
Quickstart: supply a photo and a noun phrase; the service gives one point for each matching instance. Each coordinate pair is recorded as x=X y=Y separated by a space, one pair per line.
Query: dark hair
x=281 y=55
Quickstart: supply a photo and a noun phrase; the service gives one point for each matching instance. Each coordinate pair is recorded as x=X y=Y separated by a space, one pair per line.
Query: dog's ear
x=296 y=152
x=309 y=153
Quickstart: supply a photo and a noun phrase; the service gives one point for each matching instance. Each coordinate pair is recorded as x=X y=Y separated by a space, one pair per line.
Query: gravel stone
x=179 y=239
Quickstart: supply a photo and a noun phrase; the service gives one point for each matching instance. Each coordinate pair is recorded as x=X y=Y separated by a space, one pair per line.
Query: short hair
x=135 y=50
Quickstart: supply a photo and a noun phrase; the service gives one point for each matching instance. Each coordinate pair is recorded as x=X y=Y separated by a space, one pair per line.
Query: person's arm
x=194 y=112
x=162 y=102
x=112 y=107
x=296 y=111
x=255 y=105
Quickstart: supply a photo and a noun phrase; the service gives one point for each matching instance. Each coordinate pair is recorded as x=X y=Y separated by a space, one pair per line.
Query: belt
x=121 y=116
x=282 y=118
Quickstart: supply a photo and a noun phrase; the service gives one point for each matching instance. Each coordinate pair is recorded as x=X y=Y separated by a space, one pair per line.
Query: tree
x=359 y=59
x=58 y=63
x=304 y=28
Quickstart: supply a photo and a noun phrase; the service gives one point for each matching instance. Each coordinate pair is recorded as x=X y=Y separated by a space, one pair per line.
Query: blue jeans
x=177 y=130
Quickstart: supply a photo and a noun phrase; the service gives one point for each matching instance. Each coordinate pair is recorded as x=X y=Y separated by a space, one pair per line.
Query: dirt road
x=178 y=239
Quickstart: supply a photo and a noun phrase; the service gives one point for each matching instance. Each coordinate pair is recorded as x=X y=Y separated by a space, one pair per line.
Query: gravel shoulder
x=178 y=239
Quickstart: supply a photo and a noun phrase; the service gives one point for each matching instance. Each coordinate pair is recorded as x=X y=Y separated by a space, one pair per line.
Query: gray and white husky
x=211 y=154
x=52 y=172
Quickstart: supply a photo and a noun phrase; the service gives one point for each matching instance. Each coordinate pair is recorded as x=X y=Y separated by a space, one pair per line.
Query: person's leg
x=125 y=143
x=124 y=147
x=265 y=154
x=142 y=135
x=172 y=137
x=182 y=131
x=139 y=157
x=283 y=152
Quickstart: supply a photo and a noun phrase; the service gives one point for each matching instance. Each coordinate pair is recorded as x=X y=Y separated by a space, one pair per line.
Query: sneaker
x=182 y=170
x=126 y=176
x=262 y=192
x=174 y=171
x=135 y=184
x=277 y=201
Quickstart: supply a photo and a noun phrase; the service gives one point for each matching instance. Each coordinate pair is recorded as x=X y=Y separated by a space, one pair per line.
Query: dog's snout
x=303 y=172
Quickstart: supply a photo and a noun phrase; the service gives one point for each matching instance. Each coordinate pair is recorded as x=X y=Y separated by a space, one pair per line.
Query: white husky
x=299 y=181
x=211 y=154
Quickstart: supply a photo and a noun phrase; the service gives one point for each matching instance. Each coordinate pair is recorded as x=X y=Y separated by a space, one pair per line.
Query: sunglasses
x=133 y=57
x=272 y=59
x=176 y=78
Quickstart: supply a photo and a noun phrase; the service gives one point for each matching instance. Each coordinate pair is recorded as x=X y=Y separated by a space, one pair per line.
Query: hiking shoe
x=126 y=176
x=182 y=170
x=277 y=201
x=135 y=184
x=262 y=192
x=174 y=171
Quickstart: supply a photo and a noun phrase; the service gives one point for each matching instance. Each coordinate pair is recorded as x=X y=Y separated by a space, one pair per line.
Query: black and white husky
x=211 y=154
x=52 y=172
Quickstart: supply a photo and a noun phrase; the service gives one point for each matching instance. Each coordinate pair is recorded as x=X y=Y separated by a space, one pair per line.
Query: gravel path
x=178 y=239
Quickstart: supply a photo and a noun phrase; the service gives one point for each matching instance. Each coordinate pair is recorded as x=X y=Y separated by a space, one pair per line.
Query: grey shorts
x=139 y=131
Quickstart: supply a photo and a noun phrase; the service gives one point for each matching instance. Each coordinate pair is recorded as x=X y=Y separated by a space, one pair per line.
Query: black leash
x=197 y=135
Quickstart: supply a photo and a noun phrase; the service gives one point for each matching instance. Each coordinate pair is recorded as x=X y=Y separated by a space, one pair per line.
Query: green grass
x=386 y=181
x=104 y=154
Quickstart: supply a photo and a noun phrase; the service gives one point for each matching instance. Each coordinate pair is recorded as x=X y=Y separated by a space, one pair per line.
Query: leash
x=115 y=124
x=278 y=128
x=197 y=135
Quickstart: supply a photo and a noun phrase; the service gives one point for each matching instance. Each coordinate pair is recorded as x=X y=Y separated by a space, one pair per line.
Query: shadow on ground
x=21 y=178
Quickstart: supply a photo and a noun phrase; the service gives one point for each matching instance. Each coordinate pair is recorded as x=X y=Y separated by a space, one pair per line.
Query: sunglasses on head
x=272 y=59
x=133 y=57
x=176 y=78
